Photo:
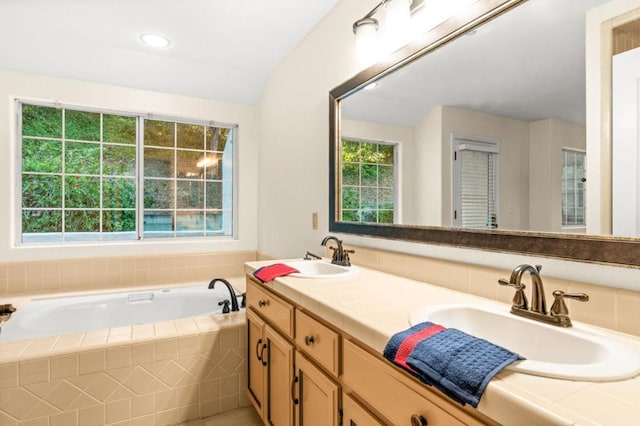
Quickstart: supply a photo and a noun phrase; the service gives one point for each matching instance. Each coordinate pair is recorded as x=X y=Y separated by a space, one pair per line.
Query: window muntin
x=95 y=175
x=573 y=188
x=368 y=181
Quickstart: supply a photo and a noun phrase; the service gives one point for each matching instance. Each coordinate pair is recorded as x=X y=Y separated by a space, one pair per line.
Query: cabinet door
x=317 y=395
x=279 y=359
x=256 y=362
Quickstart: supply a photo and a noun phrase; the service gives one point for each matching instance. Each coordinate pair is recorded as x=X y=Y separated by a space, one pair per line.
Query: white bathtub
x=60 y=315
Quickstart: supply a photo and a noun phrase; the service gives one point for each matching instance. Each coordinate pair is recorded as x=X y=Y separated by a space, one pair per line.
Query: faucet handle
x=519 y=298
x=559 y=307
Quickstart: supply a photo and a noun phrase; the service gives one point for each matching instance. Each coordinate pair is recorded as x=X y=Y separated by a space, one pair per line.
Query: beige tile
x=210 y=390
x=229 y=402
x=627 y=308
x=138 y=380
x=171 y=374
x=119 y=357
x=166 y=400
x=64 y=366
x=41 y=409
x=188 y=395
x=40 y=347
x=8 y=375
x=92 y=416
x=101 y=387
x=17 y=402
x=229 y=385
x=229 y=338
x=209 y=408
x=68 y=342
x=120 y=393
x=63 y=395
x=34 y=371
x=188 y=345
x=42 y=421
x=186 y=325
x=166 y=349
x=92 y=361
x=69 y=418
x=143 y=405
x=143 y=352
x=143 y=331
x=600 y=408
x=149 y=420
x=483 y=282
x=165 y=329
x=599 y=310
x=12 y=350
x=168 y=417
x=188 y=412
x=118 y=411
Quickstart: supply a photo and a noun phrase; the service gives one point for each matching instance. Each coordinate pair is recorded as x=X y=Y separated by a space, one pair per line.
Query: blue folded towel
x=458 y=364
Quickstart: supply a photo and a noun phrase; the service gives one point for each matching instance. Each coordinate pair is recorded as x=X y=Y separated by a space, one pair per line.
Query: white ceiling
x=527 y=64
x=220 y=49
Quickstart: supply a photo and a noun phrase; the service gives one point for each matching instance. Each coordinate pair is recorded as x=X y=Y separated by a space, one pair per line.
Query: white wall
x=294 y=158
x=428 y=163
x=36 y=87
x=514 y=160
x=547 y=140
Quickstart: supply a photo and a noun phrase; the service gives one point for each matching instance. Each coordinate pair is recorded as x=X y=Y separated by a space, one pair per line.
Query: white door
x=625 y=150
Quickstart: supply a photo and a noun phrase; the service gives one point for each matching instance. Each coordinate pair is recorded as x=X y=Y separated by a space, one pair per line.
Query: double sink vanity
x=316 y=340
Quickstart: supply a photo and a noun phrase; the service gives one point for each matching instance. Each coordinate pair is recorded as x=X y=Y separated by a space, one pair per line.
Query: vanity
x=315 y=357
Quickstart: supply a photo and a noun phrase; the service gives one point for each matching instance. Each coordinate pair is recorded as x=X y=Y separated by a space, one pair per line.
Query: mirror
x=474 y=137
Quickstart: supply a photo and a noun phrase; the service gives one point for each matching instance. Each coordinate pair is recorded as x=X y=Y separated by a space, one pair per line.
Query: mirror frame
x=621 y=251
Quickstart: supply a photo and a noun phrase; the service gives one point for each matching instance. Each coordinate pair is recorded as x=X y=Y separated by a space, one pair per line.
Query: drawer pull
x=293 y=388
x=418 y=420
x=309 y=340
x=262 y=303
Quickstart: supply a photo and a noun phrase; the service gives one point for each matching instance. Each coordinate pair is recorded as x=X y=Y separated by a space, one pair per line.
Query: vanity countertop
x=372 y=306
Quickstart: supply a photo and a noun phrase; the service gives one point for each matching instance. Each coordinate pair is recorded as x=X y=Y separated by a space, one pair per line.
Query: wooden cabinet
x=299 y=365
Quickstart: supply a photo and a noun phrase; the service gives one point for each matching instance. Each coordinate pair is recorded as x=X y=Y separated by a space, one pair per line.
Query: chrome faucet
x=559 y=314
x=232 y=292
x=340 y=255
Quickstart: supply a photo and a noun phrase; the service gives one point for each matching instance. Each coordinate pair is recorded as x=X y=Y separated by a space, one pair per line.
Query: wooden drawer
x=355 y=415
x=318 y=341
x=374 y=381
x=273 y=309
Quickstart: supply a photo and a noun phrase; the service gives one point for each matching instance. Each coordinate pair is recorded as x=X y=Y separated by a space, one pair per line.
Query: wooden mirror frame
x=586 y=248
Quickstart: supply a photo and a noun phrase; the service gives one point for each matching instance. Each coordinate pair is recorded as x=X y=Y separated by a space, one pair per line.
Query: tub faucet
x=559 y=314
x=340 y=255
x=232 y=292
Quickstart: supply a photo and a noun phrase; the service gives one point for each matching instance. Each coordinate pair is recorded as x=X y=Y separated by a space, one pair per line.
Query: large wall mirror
x=476 y=137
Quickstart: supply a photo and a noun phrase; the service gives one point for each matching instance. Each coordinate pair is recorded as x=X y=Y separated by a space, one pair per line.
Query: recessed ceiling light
x=371 y=86
x=155 y=40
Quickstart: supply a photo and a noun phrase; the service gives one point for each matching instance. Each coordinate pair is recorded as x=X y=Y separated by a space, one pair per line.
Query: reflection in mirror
x=486 y=132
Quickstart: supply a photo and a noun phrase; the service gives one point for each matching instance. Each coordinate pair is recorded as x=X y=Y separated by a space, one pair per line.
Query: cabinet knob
x=262 y=303
x=309 y=340
x=418 y=420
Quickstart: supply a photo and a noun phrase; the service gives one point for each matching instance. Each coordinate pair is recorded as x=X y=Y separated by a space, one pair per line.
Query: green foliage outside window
x=368 y=181
x=79 y=174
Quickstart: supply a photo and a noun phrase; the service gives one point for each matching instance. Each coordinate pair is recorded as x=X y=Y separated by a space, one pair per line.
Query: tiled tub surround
x=95 y=273
x=150 y=374
x=373 y=305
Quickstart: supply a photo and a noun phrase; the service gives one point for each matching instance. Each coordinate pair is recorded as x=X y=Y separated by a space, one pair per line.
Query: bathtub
x=62 y=315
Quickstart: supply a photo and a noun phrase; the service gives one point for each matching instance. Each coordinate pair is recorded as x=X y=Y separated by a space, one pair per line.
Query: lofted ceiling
x=223 y=50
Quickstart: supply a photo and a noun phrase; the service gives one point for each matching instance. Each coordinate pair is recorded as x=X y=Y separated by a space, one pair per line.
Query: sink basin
x=321 y=269
x=577 y=353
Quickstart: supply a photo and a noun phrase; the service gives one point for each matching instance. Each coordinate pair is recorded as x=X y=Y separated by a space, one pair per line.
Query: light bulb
x=397 y=24
x=366 y=31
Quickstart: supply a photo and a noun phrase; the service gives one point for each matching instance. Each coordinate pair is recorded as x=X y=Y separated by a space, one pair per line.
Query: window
x=573 y=188
x=475 y=182
x=368 y=181
x=90 y=175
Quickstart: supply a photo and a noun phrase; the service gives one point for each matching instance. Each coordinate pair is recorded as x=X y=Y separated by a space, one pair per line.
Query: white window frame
x=478 y=144
x=397 y=184
x=576 y=227
x=140 y=117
